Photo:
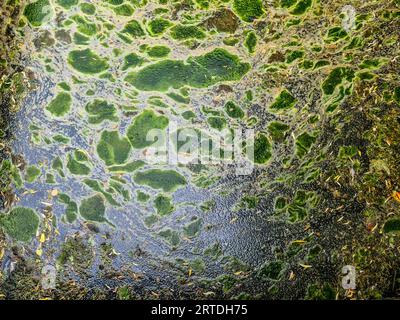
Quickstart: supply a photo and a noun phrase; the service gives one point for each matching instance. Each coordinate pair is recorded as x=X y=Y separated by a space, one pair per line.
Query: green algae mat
x=200 y=149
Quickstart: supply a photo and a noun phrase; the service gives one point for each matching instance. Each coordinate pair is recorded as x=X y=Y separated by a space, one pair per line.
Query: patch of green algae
x=248 y=10
x=93 y=208
x=100 y=110
x=87 y=62
x=20 y=224
x=38 y=12
x=60 y=105
x=112 y=149
x=202 y=71
x=77 y=163
x=166 y=180
x=143 y=123
x=163 y=205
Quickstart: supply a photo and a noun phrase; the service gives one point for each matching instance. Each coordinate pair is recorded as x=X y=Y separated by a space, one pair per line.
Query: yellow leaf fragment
x=42 y=238
x=39 y=252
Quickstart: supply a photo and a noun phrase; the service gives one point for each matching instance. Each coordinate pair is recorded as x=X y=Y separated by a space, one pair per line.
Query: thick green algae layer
x=60 y=105
x=145 y=122
x=20 y=223
x=284 y=101
x=67 y=4
x=233 y=110
x=32 y=173
x=93 y=208
x=262 y=149
x=163 y=205
x=113 y=149
x=77 y=163
x=38 y=12
x=87 y=62
x=100 y=110
x=166 y=180
x=335 y=78
x=199 y=72
x=248 y=10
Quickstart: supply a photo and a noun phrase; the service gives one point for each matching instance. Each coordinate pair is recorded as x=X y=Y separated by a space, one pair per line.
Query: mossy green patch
x=71 y=209
x=392 y=225
x=277 y=131
x=188 y=115
x=132 y=60
x=304 y=143
x=335 y=34
x=150 y=220
x=57 y=165
x=129 y=167
x=163 y=205
x=373 y=64
x=283 y=101
x=202 y=71
x=233 y=110
x=178 y=98
x=346 y=152
x=87 y=62
x=142 y=125
x=20 y=223
x=59 y=138
x=112 y=149
x=67 y=4
x=32 y=173
x=158 y=52
x=38 y=12
x=80 y=39
x=301 y=7
x=134 y=29
x=293 y=55
x=77 y=163
x=248 y=10
x=184 y=32
x=100 y=110
x=335 y=78
x=142 y=196
x=50 y=179
x=60 y=105
x=93 y=208
x=124 y=10
x=272 y=270
x=193 y=228
x=115 y=2
x=166 y=180
x=251 y=42
x=321 y=292
x=396 y=95
x=171 y=236
x=262 y=149
x=218 y=123
x=158 y=26
x=84 y=26
x=116 y=186
x=88 y=8
x=65 y=86
x=96 y=186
